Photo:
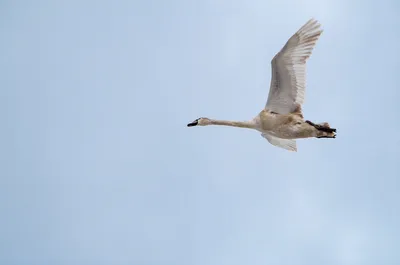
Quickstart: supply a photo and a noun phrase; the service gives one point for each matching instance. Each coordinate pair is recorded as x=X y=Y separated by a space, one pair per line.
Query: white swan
x=281 y=121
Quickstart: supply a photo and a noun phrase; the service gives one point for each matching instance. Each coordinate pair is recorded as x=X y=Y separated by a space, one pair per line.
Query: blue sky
x=98 y=166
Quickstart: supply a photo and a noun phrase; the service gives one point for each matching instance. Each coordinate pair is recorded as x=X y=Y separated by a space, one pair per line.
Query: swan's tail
x=323 y=130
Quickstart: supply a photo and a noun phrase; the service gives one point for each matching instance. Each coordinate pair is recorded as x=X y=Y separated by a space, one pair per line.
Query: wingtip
x=312 y=22
x=310 y=29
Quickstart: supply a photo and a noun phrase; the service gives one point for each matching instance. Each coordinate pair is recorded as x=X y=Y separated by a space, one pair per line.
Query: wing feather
x=288 y=79
x=288 y=144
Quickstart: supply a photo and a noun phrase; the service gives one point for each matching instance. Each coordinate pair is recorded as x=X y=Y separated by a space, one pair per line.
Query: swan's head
x=200 y=122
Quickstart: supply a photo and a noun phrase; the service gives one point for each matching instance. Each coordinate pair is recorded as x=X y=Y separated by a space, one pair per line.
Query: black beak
x=194 y=123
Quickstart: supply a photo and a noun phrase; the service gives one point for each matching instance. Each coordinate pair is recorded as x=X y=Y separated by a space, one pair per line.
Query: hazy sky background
x=98 y=166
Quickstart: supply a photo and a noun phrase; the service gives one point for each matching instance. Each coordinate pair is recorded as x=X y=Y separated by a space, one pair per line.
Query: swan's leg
x=322 y=127
x=324 y=131
x=310 y=122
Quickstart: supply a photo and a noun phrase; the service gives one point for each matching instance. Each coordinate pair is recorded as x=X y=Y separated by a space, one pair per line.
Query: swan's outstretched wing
x=287 y=144
x=288 y=78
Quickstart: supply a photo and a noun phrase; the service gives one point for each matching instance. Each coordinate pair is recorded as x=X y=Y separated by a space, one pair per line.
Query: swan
x=281 y=122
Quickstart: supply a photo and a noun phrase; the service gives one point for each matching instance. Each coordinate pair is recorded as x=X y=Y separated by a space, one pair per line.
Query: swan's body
x=281 y=121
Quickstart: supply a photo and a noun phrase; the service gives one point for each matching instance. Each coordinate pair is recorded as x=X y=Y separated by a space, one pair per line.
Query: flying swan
x=281 y=121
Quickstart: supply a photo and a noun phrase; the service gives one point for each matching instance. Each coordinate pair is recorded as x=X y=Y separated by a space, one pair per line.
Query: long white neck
x=240 y=124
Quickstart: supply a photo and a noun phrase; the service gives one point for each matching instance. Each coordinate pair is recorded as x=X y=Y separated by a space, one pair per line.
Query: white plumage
x=281 y=121
x=288 y=79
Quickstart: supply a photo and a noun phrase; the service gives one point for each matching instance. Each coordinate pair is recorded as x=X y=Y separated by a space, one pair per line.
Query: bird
x=281 y=121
